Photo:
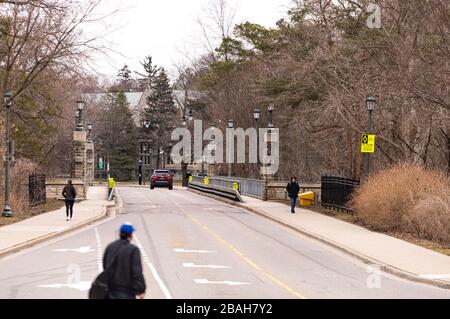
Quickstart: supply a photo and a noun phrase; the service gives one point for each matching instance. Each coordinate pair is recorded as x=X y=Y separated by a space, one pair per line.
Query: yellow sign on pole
x=190 y=179
x=112 y=183
x=206 y=181
x=368 y=143
x=236 y=186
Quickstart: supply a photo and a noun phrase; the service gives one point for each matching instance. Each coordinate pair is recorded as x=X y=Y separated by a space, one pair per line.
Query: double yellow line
x=271 y=277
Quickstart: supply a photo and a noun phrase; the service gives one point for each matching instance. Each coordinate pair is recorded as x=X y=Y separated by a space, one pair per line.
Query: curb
x=43 y=238
x=365 y=259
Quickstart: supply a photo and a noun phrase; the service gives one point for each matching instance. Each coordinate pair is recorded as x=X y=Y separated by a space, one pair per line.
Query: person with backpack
x=69 y=193
x=122 y=261
x=293 y=189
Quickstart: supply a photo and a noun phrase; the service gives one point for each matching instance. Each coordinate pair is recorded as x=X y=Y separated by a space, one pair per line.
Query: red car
x=161 y=178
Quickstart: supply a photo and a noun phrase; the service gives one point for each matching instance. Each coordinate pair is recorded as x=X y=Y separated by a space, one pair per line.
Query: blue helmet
x=127 y=229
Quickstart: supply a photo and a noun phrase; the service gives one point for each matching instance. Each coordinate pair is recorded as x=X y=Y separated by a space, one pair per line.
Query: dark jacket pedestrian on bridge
x=127 y=280
x=70 y=194
x=293 y=189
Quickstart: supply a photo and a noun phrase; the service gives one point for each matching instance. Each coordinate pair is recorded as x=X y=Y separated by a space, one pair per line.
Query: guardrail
x=217 y=186
x=249 y=187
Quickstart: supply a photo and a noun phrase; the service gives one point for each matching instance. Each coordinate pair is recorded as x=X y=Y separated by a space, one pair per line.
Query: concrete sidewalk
x=393 y=255
x=40 y=228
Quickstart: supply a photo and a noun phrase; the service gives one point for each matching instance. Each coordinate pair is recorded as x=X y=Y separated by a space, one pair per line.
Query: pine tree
x=160 y=111
x=119 y=136
x=125 y=79
x=151 y=72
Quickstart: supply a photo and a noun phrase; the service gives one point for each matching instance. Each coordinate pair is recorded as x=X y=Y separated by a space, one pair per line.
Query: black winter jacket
x=293 y=189
x=127 y=272
x=69 y=192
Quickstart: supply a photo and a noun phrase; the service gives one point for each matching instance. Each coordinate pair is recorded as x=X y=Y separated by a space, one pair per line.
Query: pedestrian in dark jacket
x=124 y=258
x=293 y=190
x=69 y=193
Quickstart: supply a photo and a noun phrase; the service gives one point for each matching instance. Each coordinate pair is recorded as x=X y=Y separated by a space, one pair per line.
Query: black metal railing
x=337 y=191
x=37 y=191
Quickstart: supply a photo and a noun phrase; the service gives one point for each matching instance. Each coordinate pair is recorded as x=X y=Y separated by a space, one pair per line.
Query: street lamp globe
x=371 y=102
x=190 y=115
x=257 y=114
x=230 y=123
x=7 y=98
x=271 y=108
x=80 y=105
x=146 y=124
x=184 y=122
x=90 y=126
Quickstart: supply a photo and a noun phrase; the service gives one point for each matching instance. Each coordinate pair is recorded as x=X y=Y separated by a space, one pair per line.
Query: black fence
x=336 y=192
x=37 y=192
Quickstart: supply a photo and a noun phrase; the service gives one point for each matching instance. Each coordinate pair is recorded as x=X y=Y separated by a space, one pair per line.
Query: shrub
x=406 y=198
x=19 y=186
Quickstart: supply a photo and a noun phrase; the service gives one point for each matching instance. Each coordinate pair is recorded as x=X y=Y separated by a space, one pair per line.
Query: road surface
x=194 y=247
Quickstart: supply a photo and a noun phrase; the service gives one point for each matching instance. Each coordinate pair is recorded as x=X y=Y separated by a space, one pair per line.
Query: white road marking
x=180 y=250
x=82 y=286
x=99 y=250
x=191 y=265
x=81 y=250
x=155 y=274
x=437 y=276
x=229 y=283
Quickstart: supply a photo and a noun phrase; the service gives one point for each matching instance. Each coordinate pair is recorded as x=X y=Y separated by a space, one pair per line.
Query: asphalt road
x=195 y=247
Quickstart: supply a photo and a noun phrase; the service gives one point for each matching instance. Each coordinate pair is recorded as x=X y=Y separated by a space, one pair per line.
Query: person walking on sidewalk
x=124 y=261
x=293 y=190
x=69 y=193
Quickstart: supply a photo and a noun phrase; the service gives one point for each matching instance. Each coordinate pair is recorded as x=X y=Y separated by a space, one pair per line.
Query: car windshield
x=161 y=173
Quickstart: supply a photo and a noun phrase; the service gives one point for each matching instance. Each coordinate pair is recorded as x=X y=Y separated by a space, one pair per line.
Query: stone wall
x=55 y=186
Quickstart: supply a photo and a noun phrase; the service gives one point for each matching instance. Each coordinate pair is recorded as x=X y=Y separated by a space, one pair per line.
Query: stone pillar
x=79 y=145
x=90 y=164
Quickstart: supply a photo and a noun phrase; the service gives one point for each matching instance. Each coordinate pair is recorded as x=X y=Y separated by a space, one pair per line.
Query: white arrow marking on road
x=444 y=276
x=179 y=250
x=81 y=250
x=82 y=286
x=229 y=283
x=191 y=265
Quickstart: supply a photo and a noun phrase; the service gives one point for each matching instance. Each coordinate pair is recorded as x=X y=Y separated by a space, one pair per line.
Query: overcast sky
x=167 y=29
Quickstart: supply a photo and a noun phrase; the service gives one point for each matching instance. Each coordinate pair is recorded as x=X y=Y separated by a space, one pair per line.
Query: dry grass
x=406 y=199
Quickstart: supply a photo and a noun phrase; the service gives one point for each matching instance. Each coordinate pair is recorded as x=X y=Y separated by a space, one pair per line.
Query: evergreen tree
x=125 y=79
x=119 y=137
x=151 y=72
x=160 y=111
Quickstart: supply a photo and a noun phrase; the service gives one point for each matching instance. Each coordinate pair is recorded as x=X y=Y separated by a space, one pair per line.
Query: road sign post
x=367 y=148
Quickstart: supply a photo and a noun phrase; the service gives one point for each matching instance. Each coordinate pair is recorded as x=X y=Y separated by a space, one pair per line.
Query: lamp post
x=370 y=103
x=271 y=108
x=90 y=128
x=230 y=126
x=257 y=116
x=190 y=115
x=7 y=211
x=80 y=108
x=203 y=166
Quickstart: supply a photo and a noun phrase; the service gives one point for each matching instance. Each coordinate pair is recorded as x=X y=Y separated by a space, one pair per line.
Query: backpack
x=99 y=288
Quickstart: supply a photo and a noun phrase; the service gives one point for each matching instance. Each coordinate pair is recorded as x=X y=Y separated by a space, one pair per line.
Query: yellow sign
x=368 y=143
x=206 y=181
x=190 y=179
x=112 y=183
x=236 y=186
